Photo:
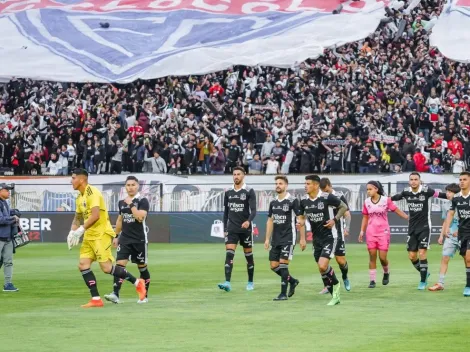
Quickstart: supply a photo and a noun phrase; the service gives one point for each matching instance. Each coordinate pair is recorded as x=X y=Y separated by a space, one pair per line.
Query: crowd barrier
x=189 y=227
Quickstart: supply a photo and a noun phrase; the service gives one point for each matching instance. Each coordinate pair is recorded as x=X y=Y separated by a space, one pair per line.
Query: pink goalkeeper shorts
x=381 y=243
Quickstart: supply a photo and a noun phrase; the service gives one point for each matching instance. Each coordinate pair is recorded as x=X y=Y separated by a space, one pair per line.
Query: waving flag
x=122 y=40
x=451 y=33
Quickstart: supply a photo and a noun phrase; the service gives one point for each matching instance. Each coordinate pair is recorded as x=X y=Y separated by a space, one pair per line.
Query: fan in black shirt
x=317 y=208
x=239 y=213
x=281 y=236
x=461 y=205
x=132 y=236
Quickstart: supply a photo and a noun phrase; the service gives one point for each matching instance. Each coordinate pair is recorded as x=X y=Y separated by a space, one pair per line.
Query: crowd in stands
x=386 y=104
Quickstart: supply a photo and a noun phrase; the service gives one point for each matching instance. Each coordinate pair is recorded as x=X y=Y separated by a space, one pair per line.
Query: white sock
x=96 y=298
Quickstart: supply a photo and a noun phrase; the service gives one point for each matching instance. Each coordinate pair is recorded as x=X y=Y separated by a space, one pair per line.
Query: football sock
x=285 y=277
x=122 y=273
x=372 y=274
x=277 y=270
x=329 y=279
x=416 y=264
x=250 y=265
x=423 y=267
x=468 y=276
x=344 y=270
x=229 y=255
x=145 y=275
x=442 y=278
x=90 y=281
x=117 y=283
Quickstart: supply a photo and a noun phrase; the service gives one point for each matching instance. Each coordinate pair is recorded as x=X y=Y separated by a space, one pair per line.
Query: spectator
x=409 y=164
x=255 y=166
x=63 y=160
x=54 y=167
x=205 y=146
x=272 y=165
x=217 y=161
x=435 y=168
x=158 y=165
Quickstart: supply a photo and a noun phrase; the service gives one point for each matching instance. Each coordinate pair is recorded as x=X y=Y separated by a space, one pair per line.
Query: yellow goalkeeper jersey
x=91 y=198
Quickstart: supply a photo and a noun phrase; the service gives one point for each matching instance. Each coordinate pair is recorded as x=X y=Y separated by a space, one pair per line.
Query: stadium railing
x=183 y=197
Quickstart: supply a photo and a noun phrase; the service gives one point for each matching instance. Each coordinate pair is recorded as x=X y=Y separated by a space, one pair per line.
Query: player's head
x=464 y=180
x=79 y=178
x=281 y=183
x=373 y=188
x=238 y=175
x=415 y=180
x=325 y=185
x=132 y=186
x=452 y=190
x=312 y=183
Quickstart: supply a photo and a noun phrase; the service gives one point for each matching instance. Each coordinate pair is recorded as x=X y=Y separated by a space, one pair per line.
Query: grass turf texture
x=187 y=312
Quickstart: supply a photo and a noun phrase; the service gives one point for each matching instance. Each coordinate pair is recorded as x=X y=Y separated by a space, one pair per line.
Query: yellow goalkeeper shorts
x=98 y=250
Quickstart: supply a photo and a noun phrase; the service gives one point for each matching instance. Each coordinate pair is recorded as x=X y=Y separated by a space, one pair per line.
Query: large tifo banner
x=122 y=40
x=192 y=227
x=451 y=34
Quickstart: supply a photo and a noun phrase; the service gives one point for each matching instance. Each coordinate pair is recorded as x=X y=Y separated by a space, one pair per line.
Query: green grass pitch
x=187 y=312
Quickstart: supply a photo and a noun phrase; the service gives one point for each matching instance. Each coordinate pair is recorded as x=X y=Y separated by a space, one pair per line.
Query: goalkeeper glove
x=69 y=240
x=75 y=236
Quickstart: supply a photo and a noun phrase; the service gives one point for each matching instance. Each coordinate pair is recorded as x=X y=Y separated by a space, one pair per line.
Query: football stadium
x=237 y=175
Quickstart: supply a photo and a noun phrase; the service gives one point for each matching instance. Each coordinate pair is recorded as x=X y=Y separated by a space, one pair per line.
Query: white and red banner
x=122 y=40
x=451 y=33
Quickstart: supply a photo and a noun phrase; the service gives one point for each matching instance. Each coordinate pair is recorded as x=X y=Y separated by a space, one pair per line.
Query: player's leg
x=423 y=243
x=287 y=253
x=247 y=244
x=274 y=264
x=449 y=248
x=139 y=257
x=465 y=253
x=384 y=262
x=317 y=250
x=87 y=257
x=231 y=241
x=327 y=273
x=144 y=275
x=340 y=255
x=372 y=267
x=105 y=259
x=114 y=296
x=412 y=245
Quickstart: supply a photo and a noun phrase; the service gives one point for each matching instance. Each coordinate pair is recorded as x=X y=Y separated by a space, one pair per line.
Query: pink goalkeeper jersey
x=378 y=217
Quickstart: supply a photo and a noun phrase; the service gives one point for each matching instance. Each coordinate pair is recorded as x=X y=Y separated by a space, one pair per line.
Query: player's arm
x=450 y=217
x=347 y=222
x=397 y=197
x=365 y=221
x=77 y=221
x=225 y=212
x=252 y=203
x=94 y=217
x=298 y=212
x=141 y=213
x=118 y=228
x=269 y=227
x=436 y=194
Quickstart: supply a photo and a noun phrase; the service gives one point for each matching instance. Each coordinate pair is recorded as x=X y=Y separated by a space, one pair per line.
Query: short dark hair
x=238 y=168
x=453 y=187
x=132 y=178
x=415 y=174
x=80 y=172
x=313 y=178
x=324 y=182
x=281 y=177
x=465 y=173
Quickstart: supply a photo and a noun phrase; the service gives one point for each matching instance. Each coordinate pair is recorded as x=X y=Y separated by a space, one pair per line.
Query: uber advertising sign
x=54 y=227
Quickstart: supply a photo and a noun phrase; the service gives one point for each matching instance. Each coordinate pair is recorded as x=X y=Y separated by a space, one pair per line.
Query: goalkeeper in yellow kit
x=97 y=240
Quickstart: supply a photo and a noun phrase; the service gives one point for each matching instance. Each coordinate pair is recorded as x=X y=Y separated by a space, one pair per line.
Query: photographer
x=7 y=224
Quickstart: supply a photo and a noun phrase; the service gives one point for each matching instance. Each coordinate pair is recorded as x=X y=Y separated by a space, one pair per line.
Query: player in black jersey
x=281 y=236
x=132 y=240
x=239 y=212
x=418 y=198
x=342 y=228
x=461 y=205
x=318 y=208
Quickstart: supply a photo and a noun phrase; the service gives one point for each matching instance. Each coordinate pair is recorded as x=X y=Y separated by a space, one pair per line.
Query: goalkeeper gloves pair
x=74 y=236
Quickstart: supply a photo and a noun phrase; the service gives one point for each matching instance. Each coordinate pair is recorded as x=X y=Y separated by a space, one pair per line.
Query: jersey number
x=407 y=239
x=118 y=248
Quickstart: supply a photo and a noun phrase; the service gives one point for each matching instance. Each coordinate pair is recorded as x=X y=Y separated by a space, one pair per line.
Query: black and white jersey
x=340 y=224
x=419 y=206
x=133 y=230
x=283 y=213
x=461 y=206
x=239 y=206
x=318 y=211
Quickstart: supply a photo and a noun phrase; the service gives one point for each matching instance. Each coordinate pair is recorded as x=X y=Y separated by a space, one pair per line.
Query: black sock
x=468 y=276
x=90 y=281
x=331 y=273
x=344 y=271
x=117 y=283
x=285 y=277
x=250 y=265
x=329 y=279
x=423 y=267
x=416 y=264
x=327 y=283
x=277 y=270
x=122 y=273
x=145 y=275
x=229 y=255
